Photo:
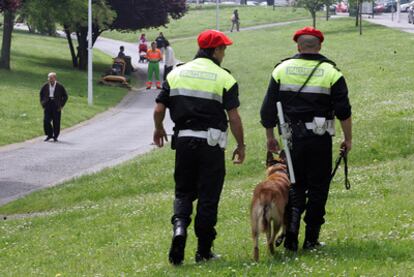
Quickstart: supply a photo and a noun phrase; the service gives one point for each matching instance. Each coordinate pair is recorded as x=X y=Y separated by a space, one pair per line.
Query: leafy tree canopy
x=11 y=5
x=141 y=14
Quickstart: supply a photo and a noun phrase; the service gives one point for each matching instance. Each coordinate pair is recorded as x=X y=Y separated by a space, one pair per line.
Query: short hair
x=51 y=74
x=308 y=42
x=121 y=48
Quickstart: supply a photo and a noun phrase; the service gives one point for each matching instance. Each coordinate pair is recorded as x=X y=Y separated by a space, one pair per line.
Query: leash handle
x=347 y=183
x=342 y=155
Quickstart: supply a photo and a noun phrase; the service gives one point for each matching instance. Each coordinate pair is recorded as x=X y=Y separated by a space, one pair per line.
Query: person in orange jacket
x=154 y=57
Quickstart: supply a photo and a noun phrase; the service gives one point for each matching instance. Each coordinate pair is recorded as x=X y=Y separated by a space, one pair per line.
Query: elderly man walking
x=53 y=97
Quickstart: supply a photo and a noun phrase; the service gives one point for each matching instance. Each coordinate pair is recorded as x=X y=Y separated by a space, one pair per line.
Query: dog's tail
x=260 y=219
x=265 y=202
x=262 y=213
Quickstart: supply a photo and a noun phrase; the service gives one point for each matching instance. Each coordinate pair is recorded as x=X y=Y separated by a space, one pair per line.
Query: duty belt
x=192 y=133
x=213 y=136
x=330 y=126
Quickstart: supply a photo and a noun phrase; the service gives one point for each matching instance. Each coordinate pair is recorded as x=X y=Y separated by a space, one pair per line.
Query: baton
x=285 y=137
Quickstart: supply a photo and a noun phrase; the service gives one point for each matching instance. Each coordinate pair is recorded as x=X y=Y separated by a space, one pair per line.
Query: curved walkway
x=117 y=135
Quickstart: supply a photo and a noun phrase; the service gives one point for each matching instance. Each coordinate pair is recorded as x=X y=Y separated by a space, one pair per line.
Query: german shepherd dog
x=270 y=198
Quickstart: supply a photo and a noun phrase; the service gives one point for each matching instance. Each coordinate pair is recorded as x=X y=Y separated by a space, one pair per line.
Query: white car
x=252 y=3
x=406 y=6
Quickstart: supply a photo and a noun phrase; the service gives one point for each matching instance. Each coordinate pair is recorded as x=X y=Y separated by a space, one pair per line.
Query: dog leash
x=342 y=155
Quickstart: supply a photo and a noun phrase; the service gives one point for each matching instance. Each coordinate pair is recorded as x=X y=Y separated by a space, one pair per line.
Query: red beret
x=308 y=31
x=212 y=39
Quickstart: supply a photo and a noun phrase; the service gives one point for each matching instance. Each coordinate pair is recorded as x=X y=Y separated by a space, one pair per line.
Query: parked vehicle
x=341 y=7
x=379 y=8
x=391 y=5
x=404 y=7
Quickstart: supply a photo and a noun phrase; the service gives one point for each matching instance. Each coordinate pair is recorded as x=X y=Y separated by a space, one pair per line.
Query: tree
x=76 y=21
x=8 y=7
x=37 y=18
x=328 y=4
x=124 y=16
x=312 y=6
x=131 y=15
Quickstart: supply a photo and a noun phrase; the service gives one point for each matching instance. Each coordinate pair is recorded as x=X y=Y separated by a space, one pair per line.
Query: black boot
x=204 y=252
x=292 y=232
x=312 y=238
x=176 y=255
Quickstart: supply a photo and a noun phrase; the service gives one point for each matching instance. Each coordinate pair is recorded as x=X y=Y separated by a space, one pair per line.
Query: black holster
x=299 y=130
x=174 y=138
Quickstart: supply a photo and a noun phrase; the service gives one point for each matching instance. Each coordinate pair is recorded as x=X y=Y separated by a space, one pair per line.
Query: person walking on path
x=169 y=59
x=154 y=57
x=53 y=97
x=200 y=95
x=160 y=40
x=312 y=92
x=235 y=20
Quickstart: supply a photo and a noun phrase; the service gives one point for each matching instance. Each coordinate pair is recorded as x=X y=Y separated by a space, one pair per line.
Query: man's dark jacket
x=60 y=95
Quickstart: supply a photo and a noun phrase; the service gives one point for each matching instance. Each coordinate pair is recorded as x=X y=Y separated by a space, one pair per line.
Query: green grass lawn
x=32 y=58
x=199 y=19
x=117 y=222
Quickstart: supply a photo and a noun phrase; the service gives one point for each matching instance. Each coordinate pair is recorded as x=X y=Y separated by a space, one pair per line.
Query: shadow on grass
x=354 y=251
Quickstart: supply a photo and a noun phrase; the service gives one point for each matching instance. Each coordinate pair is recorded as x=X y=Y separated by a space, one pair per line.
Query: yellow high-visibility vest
x=292 y=74
x=200 y=78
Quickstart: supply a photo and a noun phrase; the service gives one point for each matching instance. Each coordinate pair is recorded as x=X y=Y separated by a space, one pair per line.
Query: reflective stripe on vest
x=292 y=74
x=200 y=78
x=196 y=93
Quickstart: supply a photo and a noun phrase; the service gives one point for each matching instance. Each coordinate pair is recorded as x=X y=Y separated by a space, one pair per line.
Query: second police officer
x=312 y=92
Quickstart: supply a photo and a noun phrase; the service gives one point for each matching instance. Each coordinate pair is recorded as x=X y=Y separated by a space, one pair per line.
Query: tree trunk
x=7 y=37
x=313 y=13
x=71 y=48
x=82 y=35
x=327 y=12
x=357 y=15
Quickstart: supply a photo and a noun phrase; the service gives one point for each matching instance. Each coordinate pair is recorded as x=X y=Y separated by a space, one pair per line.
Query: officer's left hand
x=238 y=154
x=159 y=136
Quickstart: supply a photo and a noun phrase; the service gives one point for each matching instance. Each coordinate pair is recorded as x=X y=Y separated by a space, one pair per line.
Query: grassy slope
x=118 y=221
x=197 y=20
x=32 y=58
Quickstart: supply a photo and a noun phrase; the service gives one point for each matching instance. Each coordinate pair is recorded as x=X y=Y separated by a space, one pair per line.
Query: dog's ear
x=269 y=159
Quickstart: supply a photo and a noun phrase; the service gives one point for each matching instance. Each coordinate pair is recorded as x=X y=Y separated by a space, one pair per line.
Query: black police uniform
x=199 y=167
x=311 y=153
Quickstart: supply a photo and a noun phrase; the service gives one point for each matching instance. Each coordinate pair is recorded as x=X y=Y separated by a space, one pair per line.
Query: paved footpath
x=117 y=135
x=389 y=20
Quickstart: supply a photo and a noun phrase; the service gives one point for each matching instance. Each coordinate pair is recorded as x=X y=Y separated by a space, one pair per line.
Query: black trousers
x=312 y=164
x=199 y=174
x=51 y=115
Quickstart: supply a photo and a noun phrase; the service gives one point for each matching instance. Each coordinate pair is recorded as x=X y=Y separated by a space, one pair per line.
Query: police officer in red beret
x=202 y=98
x=312 y=92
